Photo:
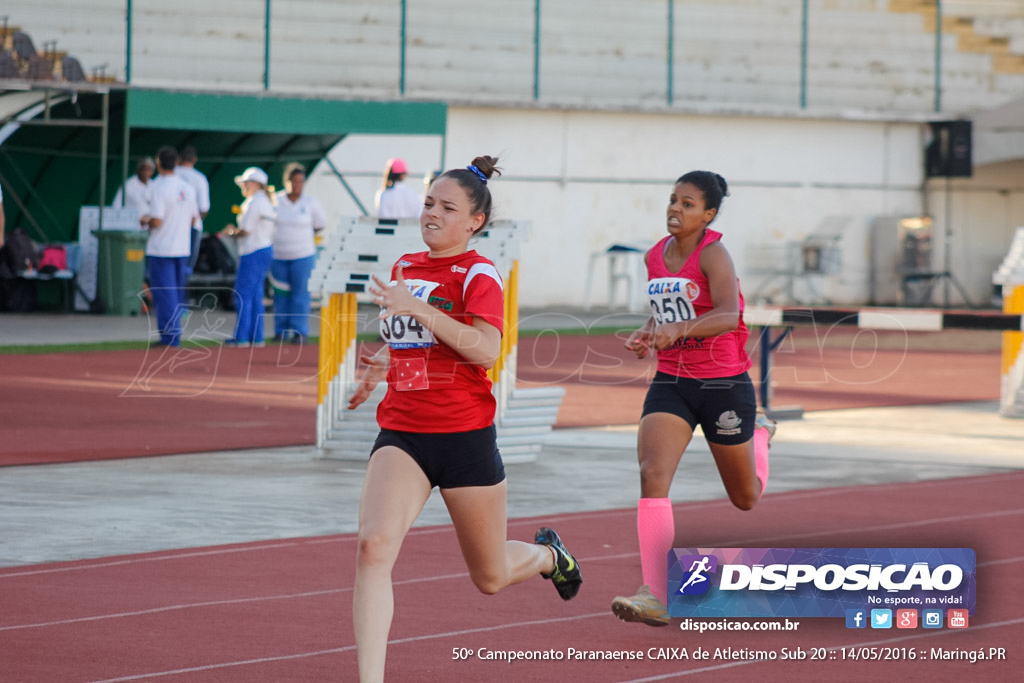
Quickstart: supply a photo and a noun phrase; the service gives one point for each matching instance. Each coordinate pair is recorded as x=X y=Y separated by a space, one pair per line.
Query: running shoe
x=644 y=608
x=566 y=576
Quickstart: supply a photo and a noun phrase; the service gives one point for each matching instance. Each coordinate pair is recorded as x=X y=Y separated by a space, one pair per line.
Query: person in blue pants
x=173 y=211
x=299 y=218
x=255 y=234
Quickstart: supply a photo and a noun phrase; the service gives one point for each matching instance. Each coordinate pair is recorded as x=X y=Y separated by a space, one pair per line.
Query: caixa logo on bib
x=817 y=582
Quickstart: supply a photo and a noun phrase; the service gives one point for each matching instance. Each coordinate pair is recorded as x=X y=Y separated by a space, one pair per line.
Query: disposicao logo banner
x=817 y=582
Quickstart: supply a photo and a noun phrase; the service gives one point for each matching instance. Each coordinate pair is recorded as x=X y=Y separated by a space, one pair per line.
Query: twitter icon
x=881 y=618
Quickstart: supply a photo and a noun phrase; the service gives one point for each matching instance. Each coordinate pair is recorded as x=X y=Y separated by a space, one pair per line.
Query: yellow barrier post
x=1012 y=379
x=323 y=376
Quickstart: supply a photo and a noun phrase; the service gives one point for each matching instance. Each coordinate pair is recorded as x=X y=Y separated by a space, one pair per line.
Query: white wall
x=985 y=210
x=587 y=180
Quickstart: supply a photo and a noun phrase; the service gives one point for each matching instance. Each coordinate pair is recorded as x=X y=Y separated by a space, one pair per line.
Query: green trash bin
x=121 y=269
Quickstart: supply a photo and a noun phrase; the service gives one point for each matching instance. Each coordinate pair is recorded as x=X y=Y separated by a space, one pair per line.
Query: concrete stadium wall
x=93 y=31
x=876 y=55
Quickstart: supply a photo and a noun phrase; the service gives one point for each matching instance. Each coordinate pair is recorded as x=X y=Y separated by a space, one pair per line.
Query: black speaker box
x=949 y=153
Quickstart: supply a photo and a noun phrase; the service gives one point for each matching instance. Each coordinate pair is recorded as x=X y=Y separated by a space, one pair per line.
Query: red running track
x=116 y=404
x=279 y=611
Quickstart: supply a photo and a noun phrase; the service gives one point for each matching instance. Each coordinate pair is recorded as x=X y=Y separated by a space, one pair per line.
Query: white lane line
x=443 y=577
x=349 y=648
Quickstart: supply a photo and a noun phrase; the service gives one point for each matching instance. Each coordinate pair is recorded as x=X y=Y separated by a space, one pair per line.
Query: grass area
x=91 y=346
x=13 y=349
x=591 y=332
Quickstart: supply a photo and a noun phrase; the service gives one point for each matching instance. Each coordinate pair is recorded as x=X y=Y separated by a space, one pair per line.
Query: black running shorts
x=450 y=460
x=724 y=407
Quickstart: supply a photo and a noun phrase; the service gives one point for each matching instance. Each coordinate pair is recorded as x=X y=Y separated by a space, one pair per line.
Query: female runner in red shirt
x=442 y=319
x=697 y=328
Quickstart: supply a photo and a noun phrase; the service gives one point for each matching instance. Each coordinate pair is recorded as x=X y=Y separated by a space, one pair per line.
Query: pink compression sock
x=761 y=455
x=656 y=529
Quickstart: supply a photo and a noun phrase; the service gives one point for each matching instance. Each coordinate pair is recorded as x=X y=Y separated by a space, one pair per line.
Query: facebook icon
x=856 y=618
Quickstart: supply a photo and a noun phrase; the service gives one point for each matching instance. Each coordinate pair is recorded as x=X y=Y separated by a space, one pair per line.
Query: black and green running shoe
x=566 y=576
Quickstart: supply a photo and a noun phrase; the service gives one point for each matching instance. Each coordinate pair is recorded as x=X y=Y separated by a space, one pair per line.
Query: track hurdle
x=905 y=319
x=1010 y=278
x=364 y=246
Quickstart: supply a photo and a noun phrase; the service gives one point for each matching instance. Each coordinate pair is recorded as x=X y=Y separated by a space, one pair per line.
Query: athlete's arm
x=478 y=342
x=724 y=315
x=376 y=371
x=642 y=339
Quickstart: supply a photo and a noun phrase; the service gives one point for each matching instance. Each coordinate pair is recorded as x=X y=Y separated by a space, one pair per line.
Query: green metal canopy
x=57 y=148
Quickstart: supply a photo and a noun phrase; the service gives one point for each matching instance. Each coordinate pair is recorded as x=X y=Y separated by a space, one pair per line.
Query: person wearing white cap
x=395 y=199
x=173 y=210
x=255 y=234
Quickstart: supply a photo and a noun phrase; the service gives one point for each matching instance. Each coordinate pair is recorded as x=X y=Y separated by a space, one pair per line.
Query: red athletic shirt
x=684 y=296
x=431 y=388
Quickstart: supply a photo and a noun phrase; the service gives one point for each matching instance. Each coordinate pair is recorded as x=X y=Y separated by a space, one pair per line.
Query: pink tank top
x=684 y=296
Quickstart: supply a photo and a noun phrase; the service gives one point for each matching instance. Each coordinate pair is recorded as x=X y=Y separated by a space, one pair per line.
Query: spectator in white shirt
x=135 y=194
x=174 y=210
x=255 y=233
x=299 y=218
x=187 y=171
x=395 y=199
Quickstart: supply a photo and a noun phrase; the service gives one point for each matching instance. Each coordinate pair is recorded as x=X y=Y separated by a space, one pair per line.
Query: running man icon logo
x=696 y=580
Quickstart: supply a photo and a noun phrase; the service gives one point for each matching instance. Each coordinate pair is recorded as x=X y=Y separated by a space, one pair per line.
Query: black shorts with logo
x=450 y=460
x=724 y=407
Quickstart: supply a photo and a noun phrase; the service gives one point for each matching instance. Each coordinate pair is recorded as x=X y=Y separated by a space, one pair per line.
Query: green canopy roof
x=50 y=166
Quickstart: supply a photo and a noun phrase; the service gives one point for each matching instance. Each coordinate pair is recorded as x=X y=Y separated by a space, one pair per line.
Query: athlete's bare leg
x=661 y=440
x=394 y=492
x=739 y=473
x=479 y=514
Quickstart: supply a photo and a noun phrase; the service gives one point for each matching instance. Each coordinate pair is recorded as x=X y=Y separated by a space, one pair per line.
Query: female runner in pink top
x=696 y=327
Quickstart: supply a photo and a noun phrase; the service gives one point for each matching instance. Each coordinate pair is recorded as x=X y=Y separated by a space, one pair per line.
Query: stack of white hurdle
x=1010 y=277
x=363 y=247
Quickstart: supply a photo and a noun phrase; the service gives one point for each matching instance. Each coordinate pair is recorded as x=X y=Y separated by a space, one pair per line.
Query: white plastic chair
x=626 y=266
